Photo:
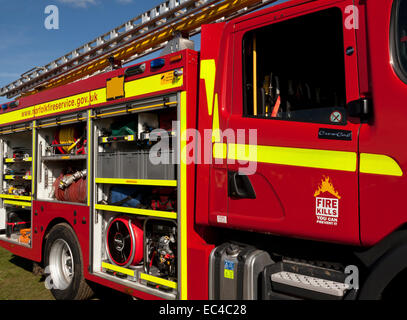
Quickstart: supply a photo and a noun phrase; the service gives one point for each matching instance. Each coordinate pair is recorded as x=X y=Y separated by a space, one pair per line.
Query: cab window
x=400 y=38
x=294 y=70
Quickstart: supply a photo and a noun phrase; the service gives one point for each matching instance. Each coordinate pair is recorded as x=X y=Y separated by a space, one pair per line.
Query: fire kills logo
x=327 y=203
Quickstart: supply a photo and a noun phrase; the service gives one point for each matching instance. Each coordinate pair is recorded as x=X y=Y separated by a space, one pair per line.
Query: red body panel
x=382 y=207
x=207 y=186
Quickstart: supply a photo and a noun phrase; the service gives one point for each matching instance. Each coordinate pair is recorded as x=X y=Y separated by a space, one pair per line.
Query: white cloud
x=79 y=3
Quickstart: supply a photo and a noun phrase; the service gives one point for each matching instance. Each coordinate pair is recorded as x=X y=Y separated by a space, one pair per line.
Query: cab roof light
x=176 y=58
x=4 y=106
x=157 y=63
x=132 y=71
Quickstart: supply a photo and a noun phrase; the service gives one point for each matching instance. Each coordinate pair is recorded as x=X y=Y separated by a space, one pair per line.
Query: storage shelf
x=13 y=160
x=144 y=182
x=143 y=212
x=18 y=203
x=143 y=276
x=60 y=157
x=127 y=138
x=160 y=281
x=14 y=177
x=112 y=267
x=15 y=197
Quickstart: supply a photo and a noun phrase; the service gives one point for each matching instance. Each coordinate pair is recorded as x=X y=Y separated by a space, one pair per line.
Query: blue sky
x=26 y=43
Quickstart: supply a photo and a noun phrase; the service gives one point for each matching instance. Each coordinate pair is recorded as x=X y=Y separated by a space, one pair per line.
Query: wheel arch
x=383 y=271
x=47 y=231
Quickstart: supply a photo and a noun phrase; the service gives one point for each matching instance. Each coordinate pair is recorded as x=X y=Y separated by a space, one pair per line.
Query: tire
x=64 y=265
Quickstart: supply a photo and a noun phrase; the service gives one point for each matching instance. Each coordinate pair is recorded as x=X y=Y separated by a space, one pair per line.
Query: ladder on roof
x=137 y=37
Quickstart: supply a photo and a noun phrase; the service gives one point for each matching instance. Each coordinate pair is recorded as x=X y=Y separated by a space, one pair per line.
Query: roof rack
x=137 y=37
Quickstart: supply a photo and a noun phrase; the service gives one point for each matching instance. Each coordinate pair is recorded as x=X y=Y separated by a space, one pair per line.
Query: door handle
x=239 y=186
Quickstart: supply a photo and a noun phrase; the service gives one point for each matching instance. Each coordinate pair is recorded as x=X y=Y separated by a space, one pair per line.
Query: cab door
x=382 y=153
x=293 y=167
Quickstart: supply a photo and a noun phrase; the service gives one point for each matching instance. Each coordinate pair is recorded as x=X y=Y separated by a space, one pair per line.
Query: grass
x=17 y=282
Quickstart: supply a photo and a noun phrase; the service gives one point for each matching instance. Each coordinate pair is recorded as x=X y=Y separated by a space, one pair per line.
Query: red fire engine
x=268 y=165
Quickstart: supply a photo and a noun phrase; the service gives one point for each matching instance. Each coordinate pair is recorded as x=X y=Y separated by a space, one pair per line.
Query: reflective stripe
x=91 y=98
x=379 y=164
x=144 y=182
x=215 y=121
x=183 y=189
x=89 y=151
x=150 y=84
x=157 y=280
x=16 y=197
x=310 y=158
x=18 y=203
x=208 y=73
x=143 y=212
x=118 y=269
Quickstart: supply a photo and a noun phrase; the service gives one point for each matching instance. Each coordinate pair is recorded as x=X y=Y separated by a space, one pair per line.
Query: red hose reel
x=124 y=241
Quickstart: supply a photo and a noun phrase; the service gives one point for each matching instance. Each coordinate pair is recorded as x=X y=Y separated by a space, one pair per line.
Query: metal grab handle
x=239 y=186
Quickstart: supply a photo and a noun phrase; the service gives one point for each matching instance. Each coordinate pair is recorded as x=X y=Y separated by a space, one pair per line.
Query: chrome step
x=328 y=287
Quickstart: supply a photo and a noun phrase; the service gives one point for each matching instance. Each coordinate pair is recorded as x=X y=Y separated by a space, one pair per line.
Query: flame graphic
x=326 y=186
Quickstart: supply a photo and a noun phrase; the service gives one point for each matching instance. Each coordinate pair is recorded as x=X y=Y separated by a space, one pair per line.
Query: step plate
x=310 y=283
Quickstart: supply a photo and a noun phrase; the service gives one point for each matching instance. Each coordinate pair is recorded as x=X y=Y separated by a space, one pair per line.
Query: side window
x=294 y=70
x=399 y=38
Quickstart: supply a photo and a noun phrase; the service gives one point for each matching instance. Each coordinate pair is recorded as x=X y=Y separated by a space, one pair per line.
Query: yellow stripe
x=144 y=182
x=220 y=150
x=215 y=121
x=143 y=212
x=208 y=73
x=12 y=160
x=183 y=189
x=90 y=148
x=18 y=203
x=150 y=84
x=70 y=103
x=310 y=158
x=11 y=177
x=82 y=100
x=157 y=280
x=117 y=269
x=12 y=196
x=379 y=164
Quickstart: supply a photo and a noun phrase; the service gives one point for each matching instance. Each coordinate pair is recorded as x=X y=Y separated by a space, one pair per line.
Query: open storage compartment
x=16 y=158
x=62 y=160
x=136 y=195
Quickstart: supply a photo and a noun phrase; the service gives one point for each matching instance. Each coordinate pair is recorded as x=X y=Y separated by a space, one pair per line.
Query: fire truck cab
x=266 y=166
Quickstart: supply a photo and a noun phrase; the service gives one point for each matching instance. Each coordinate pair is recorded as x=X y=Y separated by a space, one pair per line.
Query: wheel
x=64 y=265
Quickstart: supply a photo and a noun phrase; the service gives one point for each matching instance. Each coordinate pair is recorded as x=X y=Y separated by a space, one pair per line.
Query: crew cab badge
x=327 y=203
